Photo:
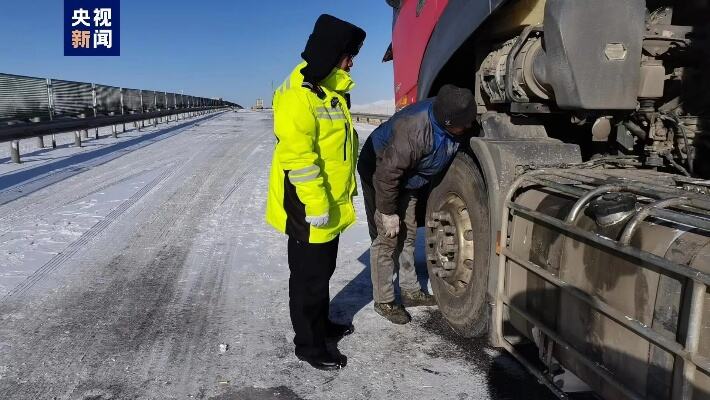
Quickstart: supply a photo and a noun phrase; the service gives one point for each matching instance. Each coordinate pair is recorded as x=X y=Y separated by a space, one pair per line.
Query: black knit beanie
x=331 y=38
x=454 y=106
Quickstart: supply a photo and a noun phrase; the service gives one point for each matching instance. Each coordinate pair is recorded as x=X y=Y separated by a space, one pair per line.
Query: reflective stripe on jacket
x=313 y=166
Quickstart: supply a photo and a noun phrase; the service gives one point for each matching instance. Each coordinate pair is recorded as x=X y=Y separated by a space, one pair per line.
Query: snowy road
x=124 y=266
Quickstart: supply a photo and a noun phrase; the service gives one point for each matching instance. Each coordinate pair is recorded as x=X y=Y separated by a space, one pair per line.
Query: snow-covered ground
x=124 y=265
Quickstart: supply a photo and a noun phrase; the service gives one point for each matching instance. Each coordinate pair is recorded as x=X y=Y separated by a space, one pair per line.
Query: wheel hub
x=450 y=243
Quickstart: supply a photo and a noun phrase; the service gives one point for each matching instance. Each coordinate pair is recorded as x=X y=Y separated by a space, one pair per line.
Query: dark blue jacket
x=405 y=152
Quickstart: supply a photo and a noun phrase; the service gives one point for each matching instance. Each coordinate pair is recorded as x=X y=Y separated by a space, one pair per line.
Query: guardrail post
x=123 y=110
x=40 y=138
x=93 y=94
x=80 y=134
x=50 y=109
x=77 y=139
x=84 y=132
x=140 y=124
x=167 y=107
x=15 y=151
x=114 y=129
x=40 y=142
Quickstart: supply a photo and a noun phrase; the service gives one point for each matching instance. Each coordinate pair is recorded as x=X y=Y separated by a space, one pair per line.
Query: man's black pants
x=311 y=265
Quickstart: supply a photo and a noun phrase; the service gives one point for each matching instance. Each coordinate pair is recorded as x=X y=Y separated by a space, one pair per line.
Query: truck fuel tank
x=606 y=270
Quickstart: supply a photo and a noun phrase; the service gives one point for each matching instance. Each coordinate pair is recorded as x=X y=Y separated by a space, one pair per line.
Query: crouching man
x=398 y=159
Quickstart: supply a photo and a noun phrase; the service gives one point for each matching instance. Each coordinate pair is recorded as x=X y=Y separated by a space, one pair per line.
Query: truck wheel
x=458 y=246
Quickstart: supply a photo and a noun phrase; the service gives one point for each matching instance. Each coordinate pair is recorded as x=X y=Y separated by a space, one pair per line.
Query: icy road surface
x=141 y=268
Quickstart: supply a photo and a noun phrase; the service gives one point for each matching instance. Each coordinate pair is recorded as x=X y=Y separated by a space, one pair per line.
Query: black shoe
x=417 y=298
x=325 y=361
x=338 y=331
x=394 y=313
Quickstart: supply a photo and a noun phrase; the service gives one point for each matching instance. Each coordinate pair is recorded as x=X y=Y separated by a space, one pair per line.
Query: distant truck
x=575 y=228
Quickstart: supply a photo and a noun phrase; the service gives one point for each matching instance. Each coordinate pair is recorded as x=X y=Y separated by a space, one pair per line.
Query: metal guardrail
x=374 y=119
x=35 y=107
x=35 y=129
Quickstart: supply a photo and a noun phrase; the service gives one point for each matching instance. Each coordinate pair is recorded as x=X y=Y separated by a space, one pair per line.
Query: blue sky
x=214 y=48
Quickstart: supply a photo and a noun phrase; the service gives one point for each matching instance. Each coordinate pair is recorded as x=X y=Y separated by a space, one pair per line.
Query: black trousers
x=311 y=265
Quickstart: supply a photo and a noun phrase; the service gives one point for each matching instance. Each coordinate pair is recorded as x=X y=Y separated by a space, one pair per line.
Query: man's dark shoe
x=417 y=298
x=393 y=312
x=325 y=361
x=338 y=331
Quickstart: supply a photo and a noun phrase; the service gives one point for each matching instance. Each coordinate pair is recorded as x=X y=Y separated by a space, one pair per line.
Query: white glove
x=319 y=221
x=391 y=225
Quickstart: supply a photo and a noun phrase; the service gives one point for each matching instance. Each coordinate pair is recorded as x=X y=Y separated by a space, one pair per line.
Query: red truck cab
x=414 y=23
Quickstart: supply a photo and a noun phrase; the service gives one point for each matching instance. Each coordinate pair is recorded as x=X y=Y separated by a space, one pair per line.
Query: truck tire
x=458 y=246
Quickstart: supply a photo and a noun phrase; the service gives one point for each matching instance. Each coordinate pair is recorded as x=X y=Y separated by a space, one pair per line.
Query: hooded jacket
x=331 y=38
x=405 y=152
x=313 y=165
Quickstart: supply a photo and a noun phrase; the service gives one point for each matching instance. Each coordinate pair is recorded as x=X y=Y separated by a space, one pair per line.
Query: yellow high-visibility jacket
x=313 y=166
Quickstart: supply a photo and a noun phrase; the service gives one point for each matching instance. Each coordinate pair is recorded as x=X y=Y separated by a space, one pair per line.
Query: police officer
x=312 y=181
x=398 y=159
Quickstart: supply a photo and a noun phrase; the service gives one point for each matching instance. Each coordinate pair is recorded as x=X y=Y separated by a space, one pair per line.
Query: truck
x=573 y=229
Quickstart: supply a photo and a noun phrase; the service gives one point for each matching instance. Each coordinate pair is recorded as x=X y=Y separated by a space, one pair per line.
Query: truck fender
x=501 y=161
x=448 y=36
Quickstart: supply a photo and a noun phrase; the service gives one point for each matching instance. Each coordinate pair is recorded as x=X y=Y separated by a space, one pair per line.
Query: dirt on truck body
x=575 y=228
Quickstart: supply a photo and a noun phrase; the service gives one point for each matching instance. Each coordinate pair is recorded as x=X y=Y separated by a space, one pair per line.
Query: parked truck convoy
x=575 y=228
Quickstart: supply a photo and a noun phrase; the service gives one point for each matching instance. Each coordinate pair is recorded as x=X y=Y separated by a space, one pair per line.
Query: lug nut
x=443 y=273
x=468 y=264
x=468 y=235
